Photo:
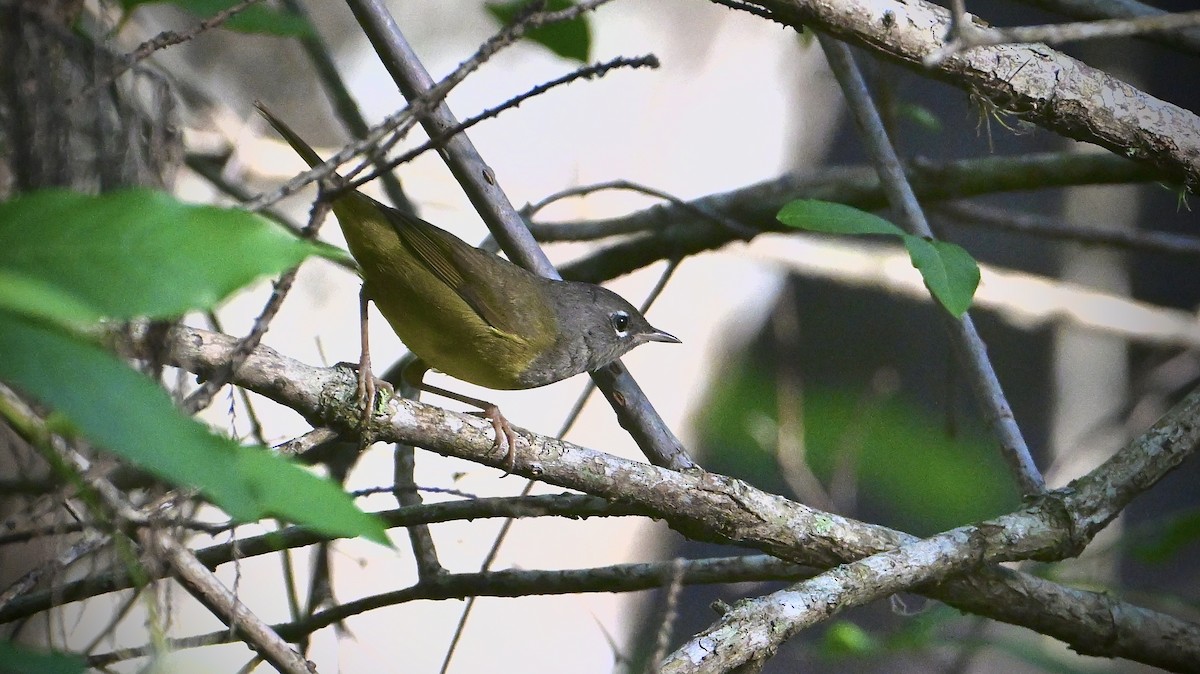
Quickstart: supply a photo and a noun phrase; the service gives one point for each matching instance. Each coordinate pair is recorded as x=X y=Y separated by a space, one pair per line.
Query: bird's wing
x=451 y=260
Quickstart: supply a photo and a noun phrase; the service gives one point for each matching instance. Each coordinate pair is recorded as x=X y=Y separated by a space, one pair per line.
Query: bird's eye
x=620 y=322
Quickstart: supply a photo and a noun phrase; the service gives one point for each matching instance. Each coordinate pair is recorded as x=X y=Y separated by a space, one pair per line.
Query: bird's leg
x=368 y=385
x=414 y=374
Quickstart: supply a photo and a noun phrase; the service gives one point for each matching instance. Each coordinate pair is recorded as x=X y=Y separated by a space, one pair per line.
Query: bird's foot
x=504 y=435
x=368 y=387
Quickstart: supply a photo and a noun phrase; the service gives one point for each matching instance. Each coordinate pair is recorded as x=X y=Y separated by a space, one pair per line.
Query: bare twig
x=202 y=396
x=586 y=72
x=1090 y=10
x=667 y=230
x=674 y=585
x=971 y=350
x=733 y=226
x=225 y=605
x=790 y=443
x=512 y=583
x=343 y=102
x=161 y=41
x=973 y=214
x=968 y=36
x=404 y=488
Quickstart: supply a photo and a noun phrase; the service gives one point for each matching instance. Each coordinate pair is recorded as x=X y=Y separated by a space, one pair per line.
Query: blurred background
x=813 y=367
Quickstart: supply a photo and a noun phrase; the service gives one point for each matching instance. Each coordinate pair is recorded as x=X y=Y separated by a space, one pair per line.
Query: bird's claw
x=368 y=387
x=504 y=432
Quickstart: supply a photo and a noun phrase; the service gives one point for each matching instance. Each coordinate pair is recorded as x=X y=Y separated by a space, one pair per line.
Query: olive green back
x=465 y=312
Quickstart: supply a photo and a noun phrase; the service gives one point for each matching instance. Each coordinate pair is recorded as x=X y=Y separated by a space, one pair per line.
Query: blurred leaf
x=906 y=467
x=920 y=115
x=844 y=638
x=290 y=492
x=125 y=413
x=17 y=659
x=1175 y=532
x=920 y=631
x=39 y=299
x=830 y=217
x=1036 y=657
x=257 y=18
x=568 y=39
x=949 y=272
x=137 y=252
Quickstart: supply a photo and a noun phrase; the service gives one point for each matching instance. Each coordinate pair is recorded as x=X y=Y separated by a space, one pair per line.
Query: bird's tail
x=302 y=148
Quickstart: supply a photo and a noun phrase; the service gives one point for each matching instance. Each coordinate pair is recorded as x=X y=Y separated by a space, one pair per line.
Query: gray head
x=595 y=327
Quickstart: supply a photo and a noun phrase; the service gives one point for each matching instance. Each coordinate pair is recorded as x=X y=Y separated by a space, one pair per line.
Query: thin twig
x=668 y=230
x=225 y=605
x=1091 y=10
x=674 y=583
x=980 y=215
x=203 y=395
x=791 y=450
x=744 y=232
x=969 y=36
x=161 y=41
x=343 y=101
x=586 y=72
x=512 y=583
x=429 y=98
x=970 y=347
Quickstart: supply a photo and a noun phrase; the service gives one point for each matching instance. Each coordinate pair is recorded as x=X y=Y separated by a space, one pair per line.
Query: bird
x=469 y=313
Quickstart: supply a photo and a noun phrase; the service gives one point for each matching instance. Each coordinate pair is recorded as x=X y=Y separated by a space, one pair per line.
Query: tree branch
x=667 y=231
x=707 y=506
x=1186 y=40
x=511 y=583
x=1034 y=82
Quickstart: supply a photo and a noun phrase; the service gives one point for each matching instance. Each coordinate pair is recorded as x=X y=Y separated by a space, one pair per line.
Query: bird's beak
x=659 y=336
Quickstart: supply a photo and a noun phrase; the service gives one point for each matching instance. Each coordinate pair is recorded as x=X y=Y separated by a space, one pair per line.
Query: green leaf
x=928 y=481
x=256 y=18
x=920 y=115
x=845 y=638
x=138 y=252
x=568 y=39
x=17 y=659
x=1176 y=532
x=290 y=492
x=949 y=272
x=37 y=298
x=833 y=218
x=126 y=414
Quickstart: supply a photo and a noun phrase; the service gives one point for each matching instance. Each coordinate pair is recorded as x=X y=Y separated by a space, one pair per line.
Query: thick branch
x=1034 y=82
x=713 y=507
x=756 y=628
